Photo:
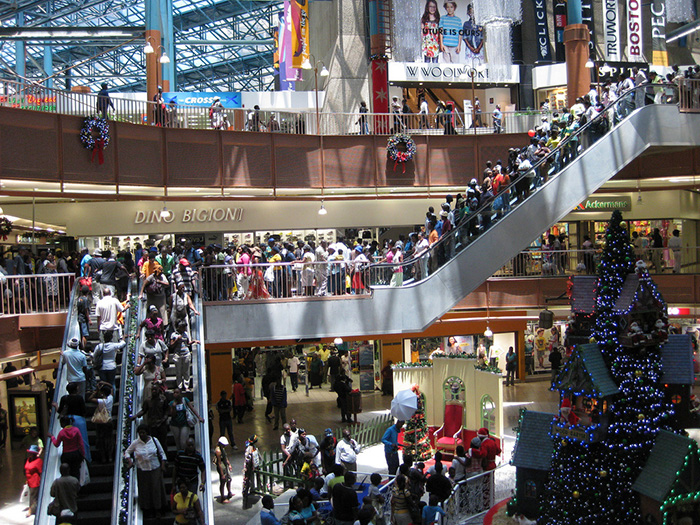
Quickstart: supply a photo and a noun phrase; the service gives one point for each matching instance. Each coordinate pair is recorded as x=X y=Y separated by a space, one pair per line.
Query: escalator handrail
x=124 y=411
x=51 y=452
x=484 y=208
x=202 y=437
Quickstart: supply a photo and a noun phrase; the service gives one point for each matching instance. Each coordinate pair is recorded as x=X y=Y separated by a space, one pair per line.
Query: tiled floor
x=314 y=412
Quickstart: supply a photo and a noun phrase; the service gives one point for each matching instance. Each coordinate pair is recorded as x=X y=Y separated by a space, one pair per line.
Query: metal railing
x=39 y=98
x=689 y=94
x=52 y=456
x=35 y=294
x=474 y=496
x=304 y=279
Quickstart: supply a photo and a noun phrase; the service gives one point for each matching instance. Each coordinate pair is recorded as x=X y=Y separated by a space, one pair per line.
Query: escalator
x=95 y=498
x=126 y=489
x=415 y=306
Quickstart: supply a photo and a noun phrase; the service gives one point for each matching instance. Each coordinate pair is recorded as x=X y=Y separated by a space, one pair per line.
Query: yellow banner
x=300 y=32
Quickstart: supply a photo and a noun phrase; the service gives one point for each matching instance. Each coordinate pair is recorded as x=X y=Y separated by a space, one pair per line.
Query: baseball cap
x=328 y=432
x=223 y=441
x=184 y=262
x=34 y=449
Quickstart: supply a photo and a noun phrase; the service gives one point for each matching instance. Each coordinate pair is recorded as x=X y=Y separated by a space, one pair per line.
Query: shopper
x=149 y=456
x=73 y=448
x=33 y=467
x=224 y=469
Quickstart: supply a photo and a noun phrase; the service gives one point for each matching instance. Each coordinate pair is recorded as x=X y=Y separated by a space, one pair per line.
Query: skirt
x=151 y=489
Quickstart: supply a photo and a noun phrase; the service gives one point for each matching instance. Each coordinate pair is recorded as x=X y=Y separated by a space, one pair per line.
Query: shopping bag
x=24 y=497
x=84 y=474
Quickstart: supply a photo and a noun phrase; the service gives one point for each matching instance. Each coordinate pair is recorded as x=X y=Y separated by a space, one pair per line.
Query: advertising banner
x=300 y=32
x=290 y=73
x=559 y=25
x=544 y=47
x=587 y=18
x=611 y=30
x=659 y=56
x=634 y=30
x=203 y=99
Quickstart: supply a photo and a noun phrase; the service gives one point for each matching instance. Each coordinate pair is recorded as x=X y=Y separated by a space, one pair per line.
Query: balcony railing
x=39 y=98
x=35 y=294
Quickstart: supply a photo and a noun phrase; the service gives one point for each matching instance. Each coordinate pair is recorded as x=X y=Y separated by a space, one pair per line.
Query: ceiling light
x=324 y=72
x=323 y=210
x=338 y=341
x=165 y=213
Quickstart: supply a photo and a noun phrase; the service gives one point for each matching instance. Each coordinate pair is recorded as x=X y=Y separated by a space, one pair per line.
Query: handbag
x=101 y=415
x=191 y=512
x=54 y=508
x=191 y=418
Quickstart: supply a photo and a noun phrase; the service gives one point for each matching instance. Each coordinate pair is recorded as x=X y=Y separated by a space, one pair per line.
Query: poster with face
x=445 y=38
x=459 y=344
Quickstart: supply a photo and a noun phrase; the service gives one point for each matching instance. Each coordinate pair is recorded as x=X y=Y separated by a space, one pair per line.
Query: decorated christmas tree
x=594 y=466
x=416 y=438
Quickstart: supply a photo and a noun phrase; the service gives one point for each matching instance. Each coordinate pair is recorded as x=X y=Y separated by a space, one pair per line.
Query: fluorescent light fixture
x=682 y=31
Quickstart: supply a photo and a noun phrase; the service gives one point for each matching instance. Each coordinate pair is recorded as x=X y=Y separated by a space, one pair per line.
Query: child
x=267 y=514
x=317 y=489
x=431 y=510
x=450 y=39
x=376 y=497
x=451 y=475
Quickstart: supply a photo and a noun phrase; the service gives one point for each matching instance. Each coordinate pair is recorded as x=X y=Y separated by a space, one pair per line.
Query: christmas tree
x=590 y=482
x=416 y=438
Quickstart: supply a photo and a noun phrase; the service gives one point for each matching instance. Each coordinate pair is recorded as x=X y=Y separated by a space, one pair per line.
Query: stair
x=414 y=307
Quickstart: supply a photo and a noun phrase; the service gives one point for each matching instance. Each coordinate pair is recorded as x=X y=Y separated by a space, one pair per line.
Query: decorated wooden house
x=586 y=381
x=642 y=311
x=582 y=295
x=678 y=377
x=669 y=484
x=532 y=458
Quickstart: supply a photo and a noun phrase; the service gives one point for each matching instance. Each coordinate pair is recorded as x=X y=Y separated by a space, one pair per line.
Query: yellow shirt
x=182 y=503
x=275 y=259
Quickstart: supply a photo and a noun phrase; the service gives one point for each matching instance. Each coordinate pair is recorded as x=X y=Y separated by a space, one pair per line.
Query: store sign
x=611 y=29
x=190 y=215
x=587 y=18
x=634 y=30
x=611 y=71
x=595 y=204
x=424 y=72
x=559 y=25
x=659 y=55
x=228 y=99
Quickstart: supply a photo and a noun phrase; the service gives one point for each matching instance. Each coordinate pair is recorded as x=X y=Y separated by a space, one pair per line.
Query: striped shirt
x=187 y=465
x=450 y=26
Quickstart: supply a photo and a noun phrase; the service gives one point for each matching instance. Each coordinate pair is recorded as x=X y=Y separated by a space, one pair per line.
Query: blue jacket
x=390 y=439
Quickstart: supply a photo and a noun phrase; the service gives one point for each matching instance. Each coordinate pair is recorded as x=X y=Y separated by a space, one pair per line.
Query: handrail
x=122 y=476
x=31 y=292
x=453 y=505
x=201 y=431
x=52 y=459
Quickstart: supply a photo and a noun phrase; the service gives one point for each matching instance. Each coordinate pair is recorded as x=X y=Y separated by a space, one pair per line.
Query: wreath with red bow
x=400 y=148
x=5 y=227
x=95 y=137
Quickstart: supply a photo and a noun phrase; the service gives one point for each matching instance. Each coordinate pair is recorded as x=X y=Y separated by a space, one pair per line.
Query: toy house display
x=532 y=458
x=669 y=484
x=586 y=381
x=581 y=290
x=678 y=377
x=641 y=311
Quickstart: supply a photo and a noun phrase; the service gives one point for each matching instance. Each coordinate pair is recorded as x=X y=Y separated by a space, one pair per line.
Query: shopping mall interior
x=197 y=129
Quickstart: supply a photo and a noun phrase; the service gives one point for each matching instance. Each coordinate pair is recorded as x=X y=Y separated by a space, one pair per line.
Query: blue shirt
x=390 y=439
x=267 y=517
x=450 y=26
x=430 y=514
x=75 y=362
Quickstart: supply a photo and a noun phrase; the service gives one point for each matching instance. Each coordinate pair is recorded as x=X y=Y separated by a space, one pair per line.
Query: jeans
x=392 y=461
x=182 y=370
x=294 y=379
x=109 y=376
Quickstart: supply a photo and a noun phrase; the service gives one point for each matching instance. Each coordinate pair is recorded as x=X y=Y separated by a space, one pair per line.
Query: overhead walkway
x=414 y=307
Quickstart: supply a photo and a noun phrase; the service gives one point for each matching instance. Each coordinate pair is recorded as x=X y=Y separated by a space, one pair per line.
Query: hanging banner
x=290 y=74
x=544 y=47
x=559 y=25
x=300 y=32
x=611 y=29
x=587 y=18
x=634 y=30
x=659 y=56
x=380 y=94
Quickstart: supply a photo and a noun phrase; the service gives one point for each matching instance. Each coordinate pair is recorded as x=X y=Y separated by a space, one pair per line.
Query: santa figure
x=488 y=450
x=566 y=416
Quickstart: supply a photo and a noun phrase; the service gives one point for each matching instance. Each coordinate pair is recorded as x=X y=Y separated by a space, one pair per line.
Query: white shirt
x=108 y=402
x=424 y=107
x=145 y=454
x=346 y=451
x=106 y=310
x=294 y=365
x=674 y=243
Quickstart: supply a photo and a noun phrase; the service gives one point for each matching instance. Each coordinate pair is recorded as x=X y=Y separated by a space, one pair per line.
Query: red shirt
x=238 y=394
x=71 y=438
x=488 y=450
x=32 y=471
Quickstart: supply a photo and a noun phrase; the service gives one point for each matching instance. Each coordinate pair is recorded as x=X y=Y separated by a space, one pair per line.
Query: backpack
x=97 y=357
x=154 y=287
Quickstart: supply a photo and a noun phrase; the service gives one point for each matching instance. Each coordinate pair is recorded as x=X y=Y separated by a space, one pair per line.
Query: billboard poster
x=447 y=38
x=559 y=25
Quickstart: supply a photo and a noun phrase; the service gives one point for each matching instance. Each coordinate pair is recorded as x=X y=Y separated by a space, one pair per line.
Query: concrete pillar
x=578 y=77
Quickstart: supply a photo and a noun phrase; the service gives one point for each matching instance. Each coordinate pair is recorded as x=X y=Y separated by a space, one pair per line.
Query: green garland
x=419 y=364
x=489 y=368
x=443 y=355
